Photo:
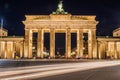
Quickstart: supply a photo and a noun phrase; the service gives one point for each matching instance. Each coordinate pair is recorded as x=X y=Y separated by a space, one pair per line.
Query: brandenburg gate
x=60 y=22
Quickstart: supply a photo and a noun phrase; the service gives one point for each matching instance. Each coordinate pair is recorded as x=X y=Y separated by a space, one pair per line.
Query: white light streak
x=56 y=69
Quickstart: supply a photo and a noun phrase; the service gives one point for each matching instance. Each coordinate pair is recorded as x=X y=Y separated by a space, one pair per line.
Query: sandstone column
x=28 y=44
x=1 y=49
x=21 y=49
x=99 y=49
x=92 y=48
x=90 y=54
x=52 y=43
x=40 y=43
x=12 y=49
x=80 y=43
x=68 y=43
x=115 y=50
x=5 y=55
x=94 y=45
x=108 y=54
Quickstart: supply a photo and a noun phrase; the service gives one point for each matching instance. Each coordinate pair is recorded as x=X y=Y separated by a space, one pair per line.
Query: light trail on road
x=32 y=72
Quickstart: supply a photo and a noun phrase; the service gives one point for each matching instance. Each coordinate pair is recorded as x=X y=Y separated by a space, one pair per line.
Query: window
x=3 y=34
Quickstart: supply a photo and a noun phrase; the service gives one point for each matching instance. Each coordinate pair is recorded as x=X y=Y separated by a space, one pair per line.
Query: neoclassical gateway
x=87 y=44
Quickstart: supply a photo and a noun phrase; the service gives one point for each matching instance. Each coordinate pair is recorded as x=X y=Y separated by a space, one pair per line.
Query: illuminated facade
x=11 y=45
x=108 y=47
x=60 y=22
x=116 y=32
x=3 y=32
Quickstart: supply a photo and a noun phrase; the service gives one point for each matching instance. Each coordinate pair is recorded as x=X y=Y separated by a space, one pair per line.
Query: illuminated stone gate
x=60 y=23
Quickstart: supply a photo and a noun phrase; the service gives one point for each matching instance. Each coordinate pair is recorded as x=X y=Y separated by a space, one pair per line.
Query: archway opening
x=73 y=45
x=46 y=46
x=85 y=45
x=34 y=44
x=60 y=45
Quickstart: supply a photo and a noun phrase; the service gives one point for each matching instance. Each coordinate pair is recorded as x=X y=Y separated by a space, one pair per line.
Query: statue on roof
x=60 y=6
x=60 y=9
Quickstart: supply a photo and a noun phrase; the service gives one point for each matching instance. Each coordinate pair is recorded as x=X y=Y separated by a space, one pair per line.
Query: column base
x=68 y=57
x=51 y=58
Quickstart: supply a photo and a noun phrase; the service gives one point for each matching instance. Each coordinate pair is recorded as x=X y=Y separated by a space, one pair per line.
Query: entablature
x=61 y=22
x=11 y=39
x=60 y=30
x=108 y=39
x=60 y=26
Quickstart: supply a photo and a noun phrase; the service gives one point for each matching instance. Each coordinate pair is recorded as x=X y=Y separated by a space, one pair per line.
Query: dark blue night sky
x=14 y=11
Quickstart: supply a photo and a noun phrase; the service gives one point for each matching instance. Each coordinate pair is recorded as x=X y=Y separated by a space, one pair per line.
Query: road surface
x=96 y=70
